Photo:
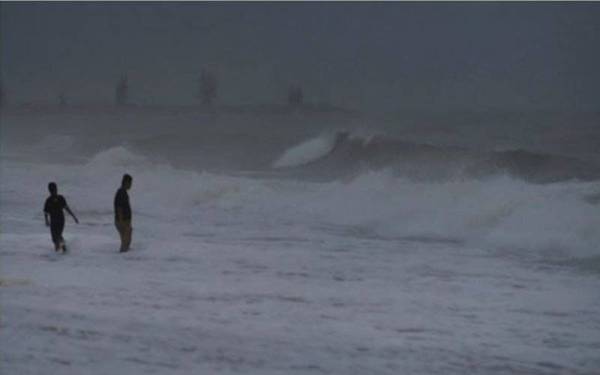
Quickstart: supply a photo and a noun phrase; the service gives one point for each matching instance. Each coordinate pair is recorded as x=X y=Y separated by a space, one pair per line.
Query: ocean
x=272 y=242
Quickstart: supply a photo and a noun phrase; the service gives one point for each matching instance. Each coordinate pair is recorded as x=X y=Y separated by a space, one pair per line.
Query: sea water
x=276 y=243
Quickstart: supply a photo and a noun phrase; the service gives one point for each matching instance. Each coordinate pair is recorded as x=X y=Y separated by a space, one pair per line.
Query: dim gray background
x=371 y=57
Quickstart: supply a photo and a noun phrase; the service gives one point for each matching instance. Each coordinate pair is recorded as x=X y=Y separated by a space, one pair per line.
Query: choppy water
x=300 y=243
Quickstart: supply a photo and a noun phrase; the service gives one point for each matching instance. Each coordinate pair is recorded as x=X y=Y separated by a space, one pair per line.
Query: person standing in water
x=55 y=218
x=123 y=213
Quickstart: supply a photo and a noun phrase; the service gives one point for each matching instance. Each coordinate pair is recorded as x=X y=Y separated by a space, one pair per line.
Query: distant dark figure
x=122 y=92
x=123 y=213
x=208 y=87
x=295 y=96
x=55 y=218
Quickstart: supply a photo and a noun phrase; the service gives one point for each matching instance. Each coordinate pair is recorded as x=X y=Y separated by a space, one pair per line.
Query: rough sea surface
x=302 y=243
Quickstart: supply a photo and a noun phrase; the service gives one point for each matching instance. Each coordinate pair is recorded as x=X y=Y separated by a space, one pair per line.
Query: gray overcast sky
x=381 y=56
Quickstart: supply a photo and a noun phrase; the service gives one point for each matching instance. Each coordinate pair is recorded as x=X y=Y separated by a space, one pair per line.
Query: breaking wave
x=496 y=212
x=306 y=152
x=118 y=156
x=346 y=153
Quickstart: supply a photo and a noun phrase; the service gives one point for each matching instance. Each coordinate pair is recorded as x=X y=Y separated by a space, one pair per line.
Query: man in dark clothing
x=55 y=218
x=123 y=213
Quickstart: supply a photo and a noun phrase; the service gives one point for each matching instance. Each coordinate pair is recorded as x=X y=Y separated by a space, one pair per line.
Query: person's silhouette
x=55 y=218
x=123 y=213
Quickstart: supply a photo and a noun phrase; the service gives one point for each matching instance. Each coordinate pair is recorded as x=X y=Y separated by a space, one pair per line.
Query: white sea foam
x=220 y=263
x=499 y=212
x=306 y=152
x=496 y=213
x=271 y=275
x=118 y=156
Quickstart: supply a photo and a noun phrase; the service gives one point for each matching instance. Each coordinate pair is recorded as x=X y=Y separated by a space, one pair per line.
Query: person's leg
x=56 y=229
x=55 y=237
x=128 y=231
x=61 y=227
x=121 y=231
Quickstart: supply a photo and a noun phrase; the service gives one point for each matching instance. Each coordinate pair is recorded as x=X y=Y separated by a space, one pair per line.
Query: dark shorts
x=56 y=229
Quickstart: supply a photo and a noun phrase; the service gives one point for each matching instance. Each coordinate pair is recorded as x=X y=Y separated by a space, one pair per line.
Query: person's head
x=126 y=181
x=52 y=188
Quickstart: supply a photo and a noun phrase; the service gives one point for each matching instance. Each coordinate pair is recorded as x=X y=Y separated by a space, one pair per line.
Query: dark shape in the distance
x=207 y=87
x=122 y=92
x=295 y=96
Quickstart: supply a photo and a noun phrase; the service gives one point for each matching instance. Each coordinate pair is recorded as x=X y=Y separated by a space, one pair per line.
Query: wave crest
x=307 y=152
x=344 y=153
x=118 y=156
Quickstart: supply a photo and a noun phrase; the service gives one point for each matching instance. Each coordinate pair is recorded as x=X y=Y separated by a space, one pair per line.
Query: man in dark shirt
x=55 y=218
x=123 y=213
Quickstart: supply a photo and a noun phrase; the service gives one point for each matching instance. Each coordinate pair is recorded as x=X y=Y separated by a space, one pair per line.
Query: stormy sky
x=382 y=56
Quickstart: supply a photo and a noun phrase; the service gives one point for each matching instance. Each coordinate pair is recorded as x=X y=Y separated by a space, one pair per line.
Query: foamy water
x=374 y=272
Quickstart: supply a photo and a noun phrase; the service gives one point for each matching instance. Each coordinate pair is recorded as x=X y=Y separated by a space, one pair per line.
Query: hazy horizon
x=369 y=57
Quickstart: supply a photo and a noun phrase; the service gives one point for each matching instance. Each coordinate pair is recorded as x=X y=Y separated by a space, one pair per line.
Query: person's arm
x=65 y=206
x=71 y=213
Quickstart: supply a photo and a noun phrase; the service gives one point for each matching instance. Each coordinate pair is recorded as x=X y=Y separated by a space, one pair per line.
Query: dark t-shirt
x=122 y=202
x=54 y=207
